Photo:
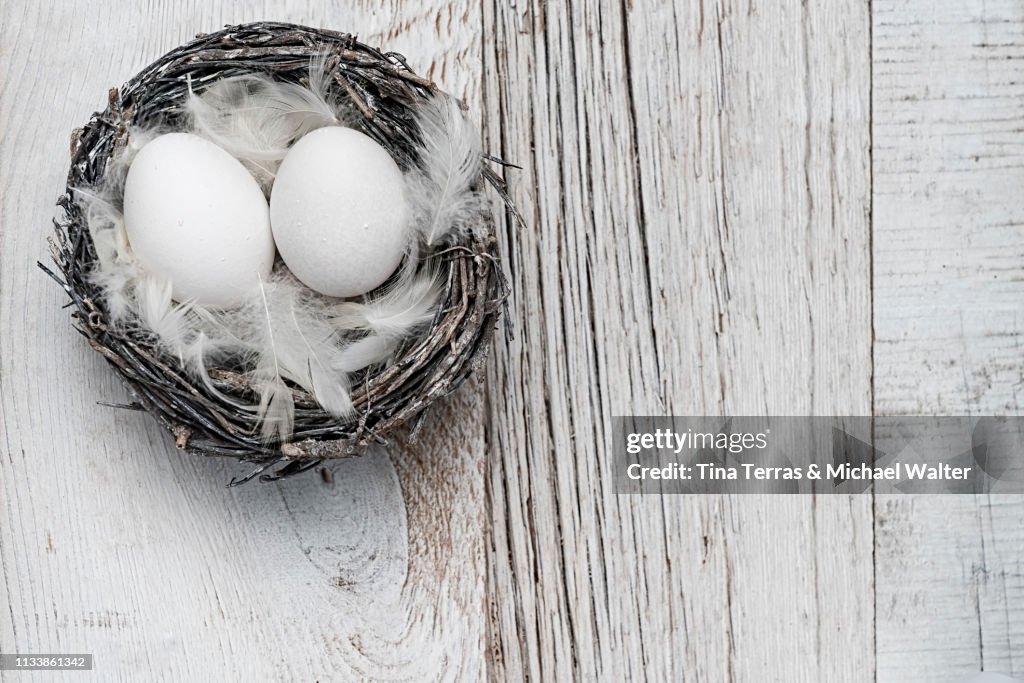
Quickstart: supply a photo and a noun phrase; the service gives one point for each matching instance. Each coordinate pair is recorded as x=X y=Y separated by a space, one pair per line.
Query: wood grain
x=696 y=187
x=112 y=542
x=764 y=208
x=949 y=319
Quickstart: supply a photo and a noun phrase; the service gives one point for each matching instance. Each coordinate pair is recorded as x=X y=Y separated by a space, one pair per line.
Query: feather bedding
x=284 y=334
x=256 y=119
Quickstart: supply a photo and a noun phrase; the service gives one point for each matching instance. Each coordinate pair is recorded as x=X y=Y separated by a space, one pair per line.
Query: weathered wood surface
x=697 y=185
x=698 y=181
x=949 y=321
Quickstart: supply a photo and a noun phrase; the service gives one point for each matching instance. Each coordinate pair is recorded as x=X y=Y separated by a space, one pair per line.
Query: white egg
x=339 y=213
x=196 y=216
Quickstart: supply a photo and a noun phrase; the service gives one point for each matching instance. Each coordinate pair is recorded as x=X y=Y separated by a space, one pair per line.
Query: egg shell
x=195 y=215
x=339 y=213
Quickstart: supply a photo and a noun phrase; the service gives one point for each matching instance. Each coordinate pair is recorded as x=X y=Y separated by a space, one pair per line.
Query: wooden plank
x=696 y=184
x=112 y=542
x=949 y=319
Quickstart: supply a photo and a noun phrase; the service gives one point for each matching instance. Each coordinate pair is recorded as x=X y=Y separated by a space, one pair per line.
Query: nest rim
x=383 y=89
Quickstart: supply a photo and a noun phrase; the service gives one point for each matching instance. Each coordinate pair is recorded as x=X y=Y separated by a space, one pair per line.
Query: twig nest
x=390 y=205
x=339 y=212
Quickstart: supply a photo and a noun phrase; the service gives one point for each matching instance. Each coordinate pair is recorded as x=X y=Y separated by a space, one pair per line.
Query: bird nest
x=383 y=89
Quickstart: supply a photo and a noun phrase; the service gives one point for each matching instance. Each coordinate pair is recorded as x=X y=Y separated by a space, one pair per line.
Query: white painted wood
x=111 y=541
x=949 y=319
x=696 y=183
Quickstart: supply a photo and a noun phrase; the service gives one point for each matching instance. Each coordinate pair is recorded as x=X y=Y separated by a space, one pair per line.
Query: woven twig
x=384 y=90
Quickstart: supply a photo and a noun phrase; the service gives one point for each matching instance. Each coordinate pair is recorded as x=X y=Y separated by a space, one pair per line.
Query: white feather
x=307 y=343
x=328 y=388
x=255 y=118
x=282 y=330
x=362 y=353
x=442 y=190
x=277 y=407
x=159 y=314
x=194 y=357
x=404 y=306
x=276 y=410
x=294 y=334
x=115 y=270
